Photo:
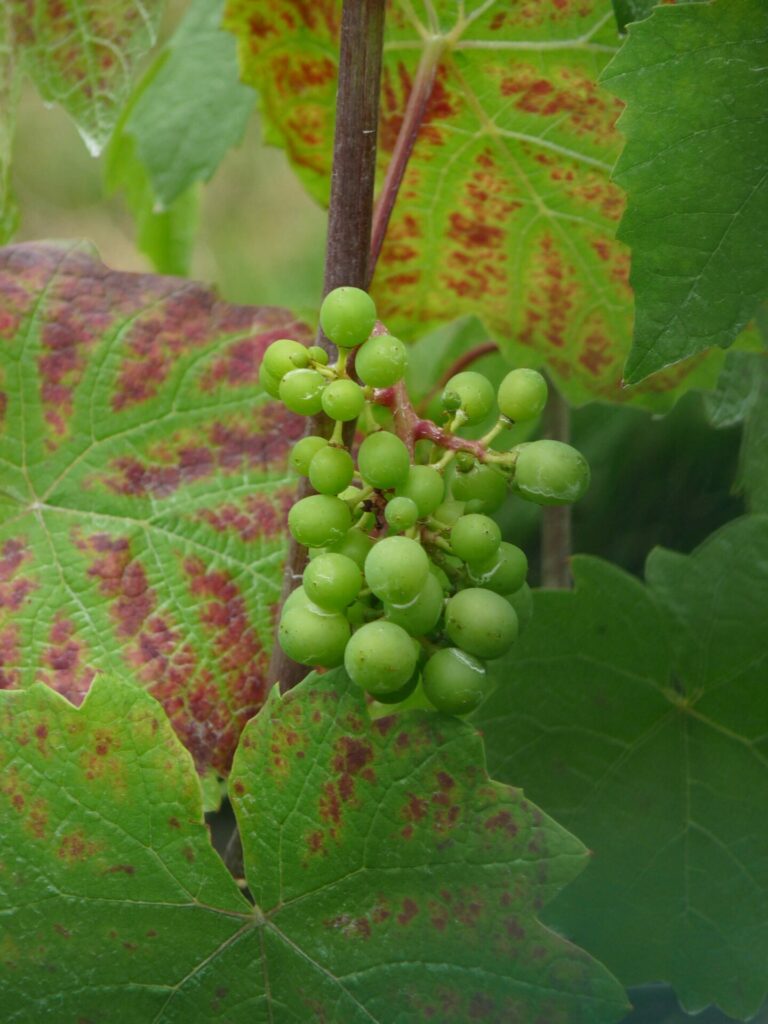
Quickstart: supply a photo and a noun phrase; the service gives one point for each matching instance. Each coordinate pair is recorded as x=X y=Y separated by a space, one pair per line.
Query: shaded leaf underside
x=143 y=489
x=394 y=881
x=639 y=716
x=506 y=210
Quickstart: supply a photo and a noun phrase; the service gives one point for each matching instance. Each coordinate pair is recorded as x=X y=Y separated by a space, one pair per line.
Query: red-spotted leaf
x=506 y=210
x=143 y=489
x=393 y=881
x=82 y=55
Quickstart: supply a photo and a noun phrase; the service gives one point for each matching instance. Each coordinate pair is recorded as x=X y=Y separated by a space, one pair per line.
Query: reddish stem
x=410 y=427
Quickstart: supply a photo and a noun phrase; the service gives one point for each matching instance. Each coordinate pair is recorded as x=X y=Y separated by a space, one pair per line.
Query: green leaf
x=393 y=880
x=638 y=715
x=144 y=491
x=737 y=389
x=82 y=55
x=753 y=457
x=10 y=86
x=694 y=170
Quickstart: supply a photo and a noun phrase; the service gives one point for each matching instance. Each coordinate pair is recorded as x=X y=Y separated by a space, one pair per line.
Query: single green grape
x=522 y=601
x=355 y=545
x=449 y=511
x=285 y=355
x=298 y=596
x=343 y=400
x=504 y=572
x=401 y=514
x=464 y=461
x=303 y=451
x=481 y=622
x=313 y=638
x=318 y=355
x=425 y=486
x=396 y=569
x=270 y=384
x=475 y=538
x=332 y=581
x=381 y=361
x=453 y=681
x=380 y=657
x=319 y=520
x=347 y=316
x=422 y=614
x=522 y=395
x=484 y=486
x=383 y=460
x=398 y=696
x=550 y=473
x=302 y=391
x=474 y=392
x=331 y=469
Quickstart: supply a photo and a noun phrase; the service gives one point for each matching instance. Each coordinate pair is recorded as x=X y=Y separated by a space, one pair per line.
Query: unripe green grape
x=453 y=681
x=398 y=696
x=550 y=473
x=504 y=572
x=355 y=545
x=449 y=511
x=522 y=601
x=331 y=469
x=425 y=486
x=422 y=614
x=270 y=384
x=318 y=355
x=481 y=622
x=343 y=400
x=383 y=460
x=522 y=395
x=441 y=576
x=303 y=452
x=285 y=355
x=483 y=485
x=380 y=657
x=475 y=395
x=381 y=362
x=347 y=316
x=396 y=569
x=464 y=461
x=319 y=520
x=332 y=581
x=401 y=514
x=312 y=638
x=302 y=391
x=298 y=596
x=475 y=538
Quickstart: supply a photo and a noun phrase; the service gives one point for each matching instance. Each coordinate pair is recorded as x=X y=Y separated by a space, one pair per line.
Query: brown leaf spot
x=75 y=846
x=502 y=821
x=126 y=869
x=409 y=911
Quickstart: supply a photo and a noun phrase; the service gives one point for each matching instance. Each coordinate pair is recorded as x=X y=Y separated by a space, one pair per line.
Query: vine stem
x=349 y=220
x=556 y=519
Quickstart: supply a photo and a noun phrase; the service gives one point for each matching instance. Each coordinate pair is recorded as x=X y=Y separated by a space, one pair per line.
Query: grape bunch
x=409 y=584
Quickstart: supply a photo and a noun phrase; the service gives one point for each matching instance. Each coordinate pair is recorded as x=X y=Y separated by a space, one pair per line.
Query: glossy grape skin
x=481 y=622
x=474 y=392
x=319 y=520
x=422 y=614
x=522 y=395
x=401 y=513
x=304 y=451
x=318 y=354
x=347 y=316
x=425 y=486
x=270 y=384
x=396 y=569
x=383 y=460
x=285 y=355
x=550 y=473
x=483 y=486
x=355 y=545
x=449 y=511
x=398 y=696
x=380 y=657
x=381 y=361
x=343 y=400
x=332 y=581
x=475 y=538
x=302 y=391
x=504 y=572
x=312 y=638
x=453 y=681
x=331 y=470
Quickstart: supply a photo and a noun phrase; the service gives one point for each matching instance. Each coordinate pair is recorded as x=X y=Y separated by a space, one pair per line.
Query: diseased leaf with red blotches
x=82 y=54
x=506 y=209
x=144 y=489
x=393 y=881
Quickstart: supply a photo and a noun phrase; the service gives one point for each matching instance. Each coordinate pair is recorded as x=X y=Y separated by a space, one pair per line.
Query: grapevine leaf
x=753 y=457
x=737 y=389
x=694 y=170
x=82 y=55
x=506 y=210
x=9 y=97
x=357 y=839
x=144 y=489
x=638 y=715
